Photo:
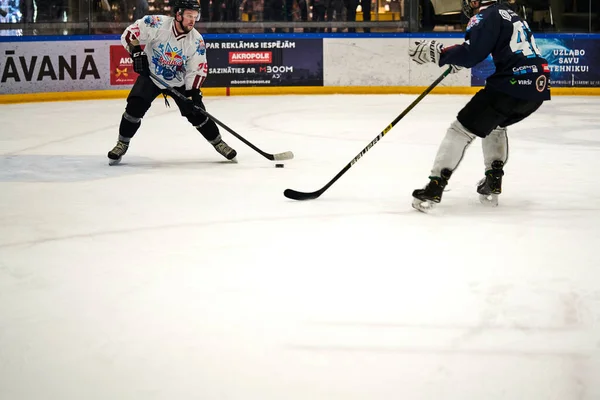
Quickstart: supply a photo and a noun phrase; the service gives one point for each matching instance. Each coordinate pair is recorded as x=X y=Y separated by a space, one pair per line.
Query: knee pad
x=495 y=147
x=460 y=130
x=130 y=118
x=198 y=120
x=136 y=108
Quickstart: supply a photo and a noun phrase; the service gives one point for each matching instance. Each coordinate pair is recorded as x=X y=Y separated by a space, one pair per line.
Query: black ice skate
x=491 y=186
x=223 y=148
x=115 y=155
x=426 y=198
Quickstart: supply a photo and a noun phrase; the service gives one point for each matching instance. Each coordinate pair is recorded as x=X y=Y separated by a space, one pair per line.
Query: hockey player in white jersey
x=175 y=52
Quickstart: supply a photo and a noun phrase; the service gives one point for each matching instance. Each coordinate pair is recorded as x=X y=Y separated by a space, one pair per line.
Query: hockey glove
x=455 y=68
x=140 y=61
x=425 y=51
x=193 y=102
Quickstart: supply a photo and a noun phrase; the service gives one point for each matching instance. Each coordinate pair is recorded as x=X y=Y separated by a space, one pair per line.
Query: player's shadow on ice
x=67 y=168
x=149 y=164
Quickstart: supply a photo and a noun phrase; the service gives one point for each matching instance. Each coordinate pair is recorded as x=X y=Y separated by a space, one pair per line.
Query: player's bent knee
x=500 y=130
x=197 y=120
x=136 y=108
x=130 y=118
x=459 y=129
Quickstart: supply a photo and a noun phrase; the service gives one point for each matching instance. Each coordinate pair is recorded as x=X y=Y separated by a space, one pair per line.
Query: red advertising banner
x=121 y=67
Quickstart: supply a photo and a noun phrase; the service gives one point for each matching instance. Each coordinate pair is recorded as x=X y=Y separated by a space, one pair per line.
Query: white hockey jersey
x=179 y=59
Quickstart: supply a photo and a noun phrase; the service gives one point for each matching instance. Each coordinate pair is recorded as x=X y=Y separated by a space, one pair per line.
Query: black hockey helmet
x=179 y=6
x=468 y=11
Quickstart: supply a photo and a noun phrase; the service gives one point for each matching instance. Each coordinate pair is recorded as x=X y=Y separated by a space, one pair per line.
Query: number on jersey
x=522 y=40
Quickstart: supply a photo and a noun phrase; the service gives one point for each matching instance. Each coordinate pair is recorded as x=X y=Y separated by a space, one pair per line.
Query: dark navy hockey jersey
x=521 y=71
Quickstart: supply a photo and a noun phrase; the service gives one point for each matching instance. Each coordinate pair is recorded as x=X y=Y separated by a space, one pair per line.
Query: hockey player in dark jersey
x=514 y=91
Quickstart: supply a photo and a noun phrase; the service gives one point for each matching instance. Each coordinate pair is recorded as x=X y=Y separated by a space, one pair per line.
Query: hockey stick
x=296 y=195
x=287 y=155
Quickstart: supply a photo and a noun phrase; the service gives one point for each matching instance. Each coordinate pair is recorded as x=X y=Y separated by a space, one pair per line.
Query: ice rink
x=178 y=275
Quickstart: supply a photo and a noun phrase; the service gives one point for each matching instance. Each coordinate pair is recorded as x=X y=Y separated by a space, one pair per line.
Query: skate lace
x=223 y=148
x=120 y=148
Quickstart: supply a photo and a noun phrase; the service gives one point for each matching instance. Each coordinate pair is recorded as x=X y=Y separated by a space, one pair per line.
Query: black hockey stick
x=287 y=155
x=296 y=195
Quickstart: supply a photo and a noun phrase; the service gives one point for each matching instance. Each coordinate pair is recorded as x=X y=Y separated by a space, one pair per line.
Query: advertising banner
x=264 y=62
x=121 y=66
x=57 y=66
x=78 y=64
x=573 y=62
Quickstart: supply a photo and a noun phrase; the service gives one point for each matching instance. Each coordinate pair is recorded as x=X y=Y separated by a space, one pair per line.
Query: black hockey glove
x=194 y=100
x=140 y=61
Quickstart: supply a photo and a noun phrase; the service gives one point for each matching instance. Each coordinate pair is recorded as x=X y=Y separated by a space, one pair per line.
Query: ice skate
x=425 y=199
x=491 y=186
x=224 y=149
x=115 y=155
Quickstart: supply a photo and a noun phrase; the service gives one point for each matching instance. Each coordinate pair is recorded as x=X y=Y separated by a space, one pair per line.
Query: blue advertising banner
x=573 y=62
x=264 y=62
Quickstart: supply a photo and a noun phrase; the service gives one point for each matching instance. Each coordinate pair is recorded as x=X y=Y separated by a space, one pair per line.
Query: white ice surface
x=179 y=276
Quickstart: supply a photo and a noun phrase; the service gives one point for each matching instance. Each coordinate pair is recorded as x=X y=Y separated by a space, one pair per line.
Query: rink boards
x=94 y=67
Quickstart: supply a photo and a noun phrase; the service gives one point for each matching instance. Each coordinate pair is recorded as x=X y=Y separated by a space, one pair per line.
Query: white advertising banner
x=55 y=66
x=381 y=62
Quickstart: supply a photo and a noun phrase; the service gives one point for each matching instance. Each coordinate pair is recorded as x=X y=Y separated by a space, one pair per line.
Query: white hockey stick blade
x=286 y=155
x=423 y=206
x=490 y=200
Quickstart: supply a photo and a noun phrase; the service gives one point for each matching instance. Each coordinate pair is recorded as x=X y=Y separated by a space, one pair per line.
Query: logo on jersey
x=168 y=60
x=475 y=19
x=521 y=82
x=525 y=69
x=504 y=14
x=168 y=55
x=200 y=47
x=541 y=83
x=153 y=21
x=135 y=31
x=546 y=68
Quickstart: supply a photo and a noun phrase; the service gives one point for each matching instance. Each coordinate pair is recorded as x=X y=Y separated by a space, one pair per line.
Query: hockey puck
x=278 y=165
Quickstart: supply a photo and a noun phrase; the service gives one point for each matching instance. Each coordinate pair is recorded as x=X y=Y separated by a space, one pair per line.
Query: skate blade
x=423 y=206
x=490 y=200
x=113 y=162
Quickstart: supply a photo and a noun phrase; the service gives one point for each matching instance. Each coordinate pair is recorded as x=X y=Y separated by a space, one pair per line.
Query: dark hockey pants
x=143 y=93
x=490 y=109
